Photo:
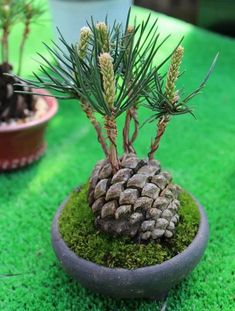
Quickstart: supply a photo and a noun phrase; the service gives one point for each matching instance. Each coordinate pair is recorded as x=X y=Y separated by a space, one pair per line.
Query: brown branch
x=134 y=116
x=22 y=45
x=111 y=127
x=131 y=114
x=5 y=45
x=126 y=130
x=90 y=115
x=161 y=127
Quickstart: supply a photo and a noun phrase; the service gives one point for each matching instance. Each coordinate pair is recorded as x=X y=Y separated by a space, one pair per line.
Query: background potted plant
x=23 y=117
x=131 y=232
x=72 y=14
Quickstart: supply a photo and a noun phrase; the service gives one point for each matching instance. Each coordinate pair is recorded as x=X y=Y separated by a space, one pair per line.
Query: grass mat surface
x=77 y=228
x=200 y=154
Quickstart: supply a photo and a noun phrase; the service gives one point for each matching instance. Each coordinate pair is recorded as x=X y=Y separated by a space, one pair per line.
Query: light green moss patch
x=77 y=228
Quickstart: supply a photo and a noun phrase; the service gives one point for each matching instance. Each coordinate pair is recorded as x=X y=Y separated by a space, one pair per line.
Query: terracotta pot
x=22 y=144
x=153 y=282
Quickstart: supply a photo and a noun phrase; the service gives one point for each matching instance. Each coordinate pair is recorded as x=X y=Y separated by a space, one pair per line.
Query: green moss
x=77 y=228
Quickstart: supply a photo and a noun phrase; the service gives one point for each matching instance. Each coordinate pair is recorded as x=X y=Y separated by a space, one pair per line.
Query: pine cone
x=139 y=201
x=13 y=105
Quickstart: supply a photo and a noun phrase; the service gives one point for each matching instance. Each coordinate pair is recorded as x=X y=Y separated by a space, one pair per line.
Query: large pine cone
x=139 y=201
x=13 y=105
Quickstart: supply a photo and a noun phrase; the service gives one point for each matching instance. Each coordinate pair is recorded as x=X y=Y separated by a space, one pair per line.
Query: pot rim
x=203 y=231
x=53 y=108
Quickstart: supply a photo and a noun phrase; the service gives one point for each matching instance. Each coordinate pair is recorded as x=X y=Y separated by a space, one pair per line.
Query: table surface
x=199 y=153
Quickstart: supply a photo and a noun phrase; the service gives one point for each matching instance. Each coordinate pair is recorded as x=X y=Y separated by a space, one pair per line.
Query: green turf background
x=200 y=154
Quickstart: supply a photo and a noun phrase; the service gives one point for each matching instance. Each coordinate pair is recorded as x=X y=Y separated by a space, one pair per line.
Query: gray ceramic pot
x=152 y=282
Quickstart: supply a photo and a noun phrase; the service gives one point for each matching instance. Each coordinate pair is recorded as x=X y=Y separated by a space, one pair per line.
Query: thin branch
x=161 y=127
x=134 y=116
x=126 y=130
x=5 y=44
x=90 y=115
x=22 y=45
x=128 y=142
x=111 y=127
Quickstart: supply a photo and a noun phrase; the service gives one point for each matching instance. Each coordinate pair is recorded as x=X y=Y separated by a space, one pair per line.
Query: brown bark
x=136 y=124
x=131 y=114
x=5 y=45
x=126 y=130
x=90 y=115
x=111 y=127
x=161 y=127
x=22 y=46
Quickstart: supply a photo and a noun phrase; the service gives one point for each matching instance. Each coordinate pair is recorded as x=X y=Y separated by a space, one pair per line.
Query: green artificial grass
x=200 y=155
x=76 y=225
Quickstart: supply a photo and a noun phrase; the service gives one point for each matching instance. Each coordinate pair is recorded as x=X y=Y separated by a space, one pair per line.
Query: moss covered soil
x=76 y=224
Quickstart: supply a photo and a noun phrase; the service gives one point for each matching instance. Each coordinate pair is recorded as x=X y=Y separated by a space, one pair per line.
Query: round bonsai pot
x=152 y=282
x=22 y=144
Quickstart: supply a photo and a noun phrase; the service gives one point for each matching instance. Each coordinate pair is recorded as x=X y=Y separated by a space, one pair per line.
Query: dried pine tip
x=28 y=10
x=107 y=71
x=85 y=34
x=129 y=32
x=130 y=29
x=102 y=27
x=176 y=97
x=173 y=73
x=103 y=32
x=6 y=9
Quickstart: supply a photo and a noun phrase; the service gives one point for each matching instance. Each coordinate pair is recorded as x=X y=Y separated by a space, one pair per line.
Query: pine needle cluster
x=13 y=13
x=112 y=71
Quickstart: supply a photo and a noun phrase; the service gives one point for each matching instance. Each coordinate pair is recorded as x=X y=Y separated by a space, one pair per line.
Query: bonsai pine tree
x=12 y=13
x=112 y=72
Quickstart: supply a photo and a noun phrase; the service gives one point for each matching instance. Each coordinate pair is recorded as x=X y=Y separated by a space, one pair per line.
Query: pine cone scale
x=122 y=175
x=129 y=196
x=137 y=181
x=115 y=191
